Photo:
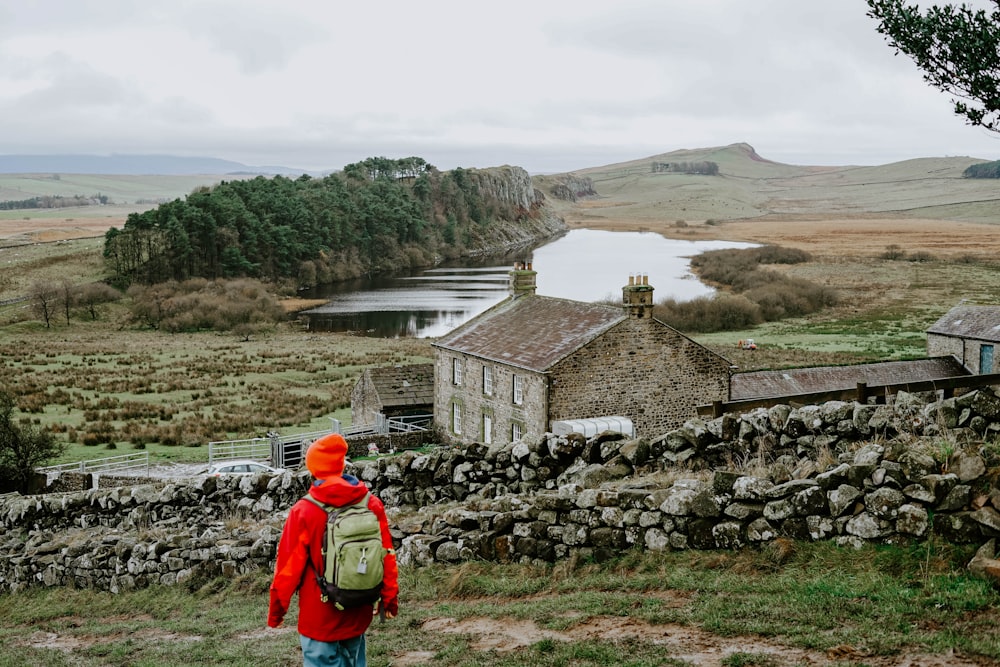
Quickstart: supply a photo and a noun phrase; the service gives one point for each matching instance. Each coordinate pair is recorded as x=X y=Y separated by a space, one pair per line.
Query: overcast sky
x=550 y=85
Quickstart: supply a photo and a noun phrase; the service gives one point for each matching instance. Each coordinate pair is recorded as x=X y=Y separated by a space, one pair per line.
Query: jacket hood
x=339 y=490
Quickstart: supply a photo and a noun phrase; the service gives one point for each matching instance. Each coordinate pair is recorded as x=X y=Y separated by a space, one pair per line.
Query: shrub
x=765 y=295
x=723 y=312
x=893 y=252
x=198 y=304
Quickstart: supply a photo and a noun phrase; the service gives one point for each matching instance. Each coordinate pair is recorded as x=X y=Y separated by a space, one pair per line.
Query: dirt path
x=689 y=645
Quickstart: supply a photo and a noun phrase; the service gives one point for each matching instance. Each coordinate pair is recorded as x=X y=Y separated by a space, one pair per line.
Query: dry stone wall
x=921 y=468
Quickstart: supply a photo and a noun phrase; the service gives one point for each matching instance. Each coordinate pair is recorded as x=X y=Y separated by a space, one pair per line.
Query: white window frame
x=456 y=371
x=488 y=380
x=487 y=428
x=516 y=432
x=518 y=390
x=456 y=418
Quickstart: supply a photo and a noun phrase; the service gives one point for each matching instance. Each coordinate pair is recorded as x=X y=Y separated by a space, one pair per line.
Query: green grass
x=121 y=189
x=751 y=188
x=108 y=392
x=755 y=610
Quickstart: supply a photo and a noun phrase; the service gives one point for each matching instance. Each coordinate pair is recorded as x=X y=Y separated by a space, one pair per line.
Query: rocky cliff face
x=509 y=185
x=571 y=188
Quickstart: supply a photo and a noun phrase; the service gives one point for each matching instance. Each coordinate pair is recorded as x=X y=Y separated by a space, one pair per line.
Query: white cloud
x=552 y=86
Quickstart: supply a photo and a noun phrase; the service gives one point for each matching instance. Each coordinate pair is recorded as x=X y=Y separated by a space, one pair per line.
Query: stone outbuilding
x=797 y=381
x=532 y=360
x=392 y=392
x=969 y=333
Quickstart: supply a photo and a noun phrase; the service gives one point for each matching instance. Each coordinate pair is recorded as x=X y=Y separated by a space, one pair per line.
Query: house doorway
x=985 y=359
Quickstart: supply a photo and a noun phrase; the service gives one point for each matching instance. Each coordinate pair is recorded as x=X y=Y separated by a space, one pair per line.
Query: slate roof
x=532 y=331
x=788 y=382
x=978 y=322
x=399 y=386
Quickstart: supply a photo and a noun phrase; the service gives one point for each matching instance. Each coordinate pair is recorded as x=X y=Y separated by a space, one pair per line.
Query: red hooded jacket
x=301 y=538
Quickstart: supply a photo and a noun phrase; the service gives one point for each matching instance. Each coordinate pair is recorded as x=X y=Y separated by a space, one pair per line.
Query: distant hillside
x=134 y=165
x=748 y=186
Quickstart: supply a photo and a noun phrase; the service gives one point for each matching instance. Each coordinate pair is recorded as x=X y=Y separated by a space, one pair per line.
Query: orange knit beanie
x=325 y=457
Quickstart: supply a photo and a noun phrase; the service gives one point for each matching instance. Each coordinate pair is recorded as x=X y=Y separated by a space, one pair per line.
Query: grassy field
x=120 y=189
x=751 y=187
x=793 y=604
x=109 y=391
x=786 y=605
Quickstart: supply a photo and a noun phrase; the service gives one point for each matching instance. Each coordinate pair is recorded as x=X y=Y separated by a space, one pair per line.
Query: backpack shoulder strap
x=323 y=506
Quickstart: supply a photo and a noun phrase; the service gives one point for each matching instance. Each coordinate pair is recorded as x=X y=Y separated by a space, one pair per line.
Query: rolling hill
x=749 y=186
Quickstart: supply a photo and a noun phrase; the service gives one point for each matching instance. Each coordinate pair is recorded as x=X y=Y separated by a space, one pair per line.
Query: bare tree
x=66 y=297
x=43 y=300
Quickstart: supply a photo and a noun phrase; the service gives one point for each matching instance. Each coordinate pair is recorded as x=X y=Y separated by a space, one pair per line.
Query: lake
x=582 y=265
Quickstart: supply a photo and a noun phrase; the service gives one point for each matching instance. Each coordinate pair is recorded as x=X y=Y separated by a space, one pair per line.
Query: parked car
x=242 y=468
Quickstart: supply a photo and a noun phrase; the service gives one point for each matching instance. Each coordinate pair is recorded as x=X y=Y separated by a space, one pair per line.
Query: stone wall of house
x=967 y=351
x=851 y=473
x=943 y=346
x=530 y=413
x=640 y=369
x=364 y=400
x=972 y=358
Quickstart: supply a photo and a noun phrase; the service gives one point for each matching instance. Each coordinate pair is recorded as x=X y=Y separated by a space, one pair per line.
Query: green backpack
x=352 y=555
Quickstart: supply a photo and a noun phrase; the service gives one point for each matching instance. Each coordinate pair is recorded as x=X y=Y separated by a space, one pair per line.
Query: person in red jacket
x=328 y=636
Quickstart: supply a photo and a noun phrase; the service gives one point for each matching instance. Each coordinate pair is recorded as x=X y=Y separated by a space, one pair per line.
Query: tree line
x=983 y=170
x=702 y=168
x=52 y=201
x=378 y=215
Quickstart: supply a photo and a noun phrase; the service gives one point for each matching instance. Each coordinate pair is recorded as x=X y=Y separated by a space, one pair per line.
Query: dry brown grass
x=93 y=385
x=100 y=379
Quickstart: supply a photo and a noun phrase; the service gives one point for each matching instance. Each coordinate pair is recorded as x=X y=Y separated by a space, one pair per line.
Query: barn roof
x=400 y=386
x=978 y=322
x=788 y=382
x=532 y=331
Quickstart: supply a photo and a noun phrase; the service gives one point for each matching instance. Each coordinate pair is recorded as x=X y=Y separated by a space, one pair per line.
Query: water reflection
x=583 y=265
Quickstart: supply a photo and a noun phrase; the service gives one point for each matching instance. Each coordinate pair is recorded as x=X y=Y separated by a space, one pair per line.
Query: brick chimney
x=522 y=279
x=637 y=296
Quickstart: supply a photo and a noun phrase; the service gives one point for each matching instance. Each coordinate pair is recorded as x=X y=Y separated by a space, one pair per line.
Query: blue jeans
x=345 y=653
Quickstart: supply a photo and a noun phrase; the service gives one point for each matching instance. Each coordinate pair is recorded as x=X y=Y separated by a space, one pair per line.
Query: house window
x=518 y=390
x=985 y=359
x=487 y=428
x=456 y=371
x=516 y=431
x=488 y=380
x=456 y=418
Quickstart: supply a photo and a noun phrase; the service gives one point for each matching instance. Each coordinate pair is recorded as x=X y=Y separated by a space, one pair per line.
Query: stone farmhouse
x=532 y=360
x=392 y=392
x=969 y=333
